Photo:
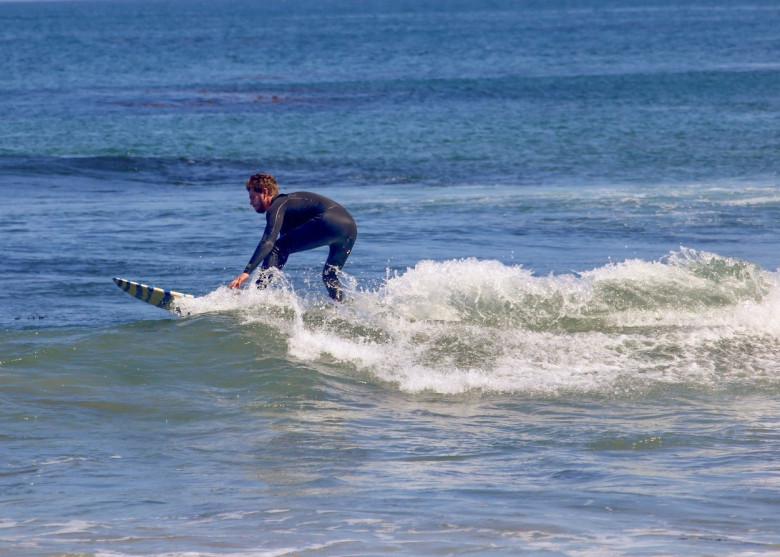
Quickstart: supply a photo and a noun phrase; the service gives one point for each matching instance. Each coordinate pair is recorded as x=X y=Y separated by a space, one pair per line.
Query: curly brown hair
x=258 y=182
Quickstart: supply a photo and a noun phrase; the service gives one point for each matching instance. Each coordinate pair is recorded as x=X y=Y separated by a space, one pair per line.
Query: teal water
x=563 y=327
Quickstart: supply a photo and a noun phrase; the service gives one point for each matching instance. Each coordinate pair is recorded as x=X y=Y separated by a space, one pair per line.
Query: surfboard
x=151 y=295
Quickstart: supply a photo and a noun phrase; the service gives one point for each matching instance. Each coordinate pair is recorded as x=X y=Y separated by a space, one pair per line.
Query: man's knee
x=276 y=259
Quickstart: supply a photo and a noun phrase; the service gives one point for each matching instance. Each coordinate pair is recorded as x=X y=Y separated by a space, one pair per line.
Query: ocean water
x=562 y=332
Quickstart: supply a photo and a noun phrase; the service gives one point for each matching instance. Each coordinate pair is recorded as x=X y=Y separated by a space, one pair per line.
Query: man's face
x=259 y=201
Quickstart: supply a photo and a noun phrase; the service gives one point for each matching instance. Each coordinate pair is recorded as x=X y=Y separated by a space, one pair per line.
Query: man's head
x=259 y=182
x=262 y=189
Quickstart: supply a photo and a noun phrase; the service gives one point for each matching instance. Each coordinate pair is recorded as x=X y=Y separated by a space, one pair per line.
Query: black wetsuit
x=303 y=221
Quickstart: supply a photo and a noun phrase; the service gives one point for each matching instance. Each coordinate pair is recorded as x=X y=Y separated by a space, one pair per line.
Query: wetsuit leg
x=337 y=257
x=274 y=260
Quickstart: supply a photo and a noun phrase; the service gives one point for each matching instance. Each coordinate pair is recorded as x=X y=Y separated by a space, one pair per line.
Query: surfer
x=296 y=222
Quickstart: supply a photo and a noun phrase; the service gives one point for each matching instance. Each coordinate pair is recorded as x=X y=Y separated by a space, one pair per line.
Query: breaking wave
x=692 y=319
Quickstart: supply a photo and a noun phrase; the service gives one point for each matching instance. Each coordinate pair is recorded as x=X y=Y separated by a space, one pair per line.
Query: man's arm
x=273 y=225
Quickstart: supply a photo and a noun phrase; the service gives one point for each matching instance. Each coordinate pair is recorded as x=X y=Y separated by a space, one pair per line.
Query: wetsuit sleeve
x=273 y=225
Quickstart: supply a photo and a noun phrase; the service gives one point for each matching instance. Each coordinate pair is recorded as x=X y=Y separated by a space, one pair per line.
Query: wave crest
x=693 y=319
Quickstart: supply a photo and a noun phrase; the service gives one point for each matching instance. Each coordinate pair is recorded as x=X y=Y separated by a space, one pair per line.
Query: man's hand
x=239 y=280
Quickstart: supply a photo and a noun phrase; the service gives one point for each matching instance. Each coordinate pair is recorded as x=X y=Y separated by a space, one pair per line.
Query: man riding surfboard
x=298 y=221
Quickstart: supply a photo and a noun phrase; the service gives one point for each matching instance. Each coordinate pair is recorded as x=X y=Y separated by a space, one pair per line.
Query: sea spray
x=691 y=318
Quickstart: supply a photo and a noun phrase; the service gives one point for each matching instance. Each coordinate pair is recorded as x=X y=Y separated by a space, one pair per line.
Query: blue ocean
x=561 y=333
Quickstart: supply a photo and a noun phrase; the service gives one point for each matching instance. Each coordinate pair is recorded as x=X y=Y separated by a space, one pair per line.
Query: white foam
x=71 y=527
x=454 y=326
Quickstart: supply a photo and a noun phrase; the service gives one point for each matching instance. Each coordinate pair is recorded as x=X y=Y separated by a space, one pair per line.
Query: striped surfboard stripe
x=151 y=295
